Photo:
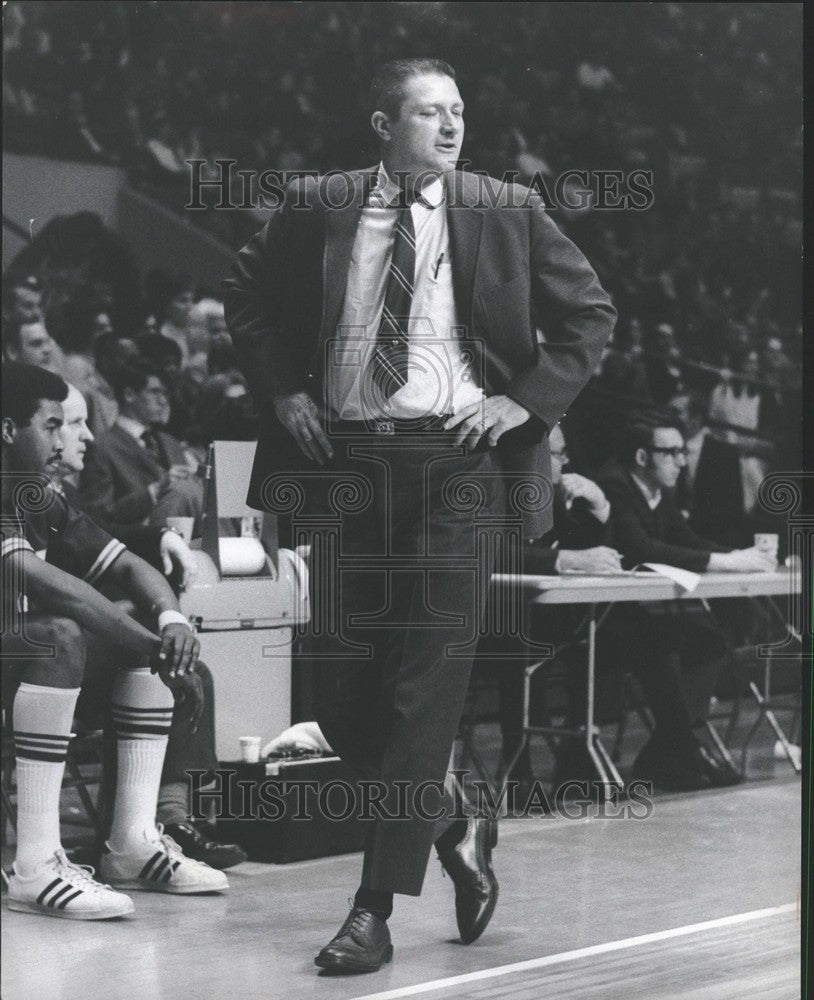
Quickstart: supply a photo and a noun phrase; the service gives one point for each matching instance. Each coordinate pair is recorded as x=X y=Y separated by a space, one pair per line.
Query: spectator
x=647 y=526
x=135 y=471
x=31 y=344
x=171 y=297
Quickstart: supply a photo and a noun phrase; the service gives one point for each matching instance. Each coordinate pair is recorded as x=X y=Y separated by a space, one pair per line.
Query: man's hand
x=301 y=417
x=493 y=416
x=742 y=561
x=574 y=485
x=187 y=690
x=173 y=549
x=600 y=559
x=177 y=653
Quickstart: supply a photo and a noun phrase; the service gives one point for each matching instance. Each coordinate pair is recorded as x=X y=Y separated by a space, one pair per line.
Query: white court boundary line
x=572 y=956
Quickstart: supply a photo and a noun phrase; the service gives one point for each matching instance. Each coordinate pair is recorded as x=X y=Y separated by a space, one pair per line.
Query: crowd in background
x=706 y=280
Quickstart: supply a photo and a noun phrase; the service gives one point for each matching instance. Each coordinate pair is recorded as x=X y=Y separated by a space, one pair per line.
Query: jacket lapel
x=464 y=222
x=340 y=232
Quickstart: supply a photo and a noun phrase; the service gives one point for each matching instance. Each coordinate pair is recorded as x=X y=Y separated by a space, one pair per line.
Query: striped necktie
x=389 y=362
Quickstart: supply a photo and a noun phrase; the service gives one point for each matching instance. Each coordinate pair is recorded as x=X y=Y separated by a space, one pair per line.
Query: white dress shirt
x=440 y=379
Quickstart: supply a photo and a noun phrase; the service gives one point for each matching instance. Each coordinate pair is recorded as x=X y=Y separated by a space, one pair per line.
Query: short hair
x=162 y=286
x=638 y=433
x=387 y=86
x=158 y=349
x=133 y=375
x=25 y=386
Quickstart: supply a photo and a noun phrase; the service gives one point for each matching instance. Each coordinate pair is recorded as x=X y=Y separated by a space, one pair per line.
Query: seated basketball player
x=49 y=602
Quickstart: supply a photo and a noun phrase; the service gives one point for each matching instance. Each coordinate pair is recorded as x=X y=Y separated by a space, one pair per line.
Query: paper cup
x=183 y=525
x=250 y=749
x=767 y=542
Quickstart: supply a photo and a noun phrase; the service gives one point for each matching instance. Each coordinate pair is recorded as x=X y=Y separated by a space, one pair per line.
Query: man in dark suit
x=135 y=472
x=647 y=526
x=386 y=321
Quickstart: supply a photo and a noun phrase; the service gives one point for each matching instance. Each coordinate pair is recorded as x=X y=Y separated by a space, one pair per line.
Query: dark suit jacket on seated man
x=647 y=526
x=134 y=472
x=386 y=321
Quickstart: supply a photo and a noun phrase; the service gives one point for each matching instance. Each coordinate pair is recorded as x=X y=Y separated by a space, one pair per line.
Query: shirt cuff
x=171 y=617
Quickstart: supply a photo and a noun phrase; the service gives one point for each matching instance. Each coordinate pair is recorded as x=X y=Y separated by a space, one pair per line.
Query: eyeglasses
x=675 y=453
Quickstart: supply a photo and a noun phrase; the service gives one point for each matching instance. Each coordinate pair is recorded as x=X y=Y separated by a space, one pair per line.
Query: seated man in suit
x=53 y=558
x=576 y=543
x=134 y=472
x=188 y=748
x=647 y=526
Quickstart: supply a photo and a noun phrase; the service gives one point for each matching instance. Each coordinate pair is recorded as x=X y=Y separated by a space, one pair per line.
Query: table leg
x=771 y=718
x=600 y=757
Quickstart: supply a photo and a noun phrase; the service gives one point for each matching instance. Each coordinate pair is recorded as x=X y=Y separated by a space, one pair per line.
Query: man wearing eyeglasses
x=670 y=653
x=647 y=524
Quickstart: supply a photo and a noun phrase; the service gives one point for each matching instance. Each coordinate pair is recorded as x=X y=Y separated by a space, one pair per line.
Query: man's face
x=36 y=345
x=666 y=458
x=36 y=447
x=559 y=456
x=429 y=130
x=76 y=434
x=149 y=405
x=27 y=305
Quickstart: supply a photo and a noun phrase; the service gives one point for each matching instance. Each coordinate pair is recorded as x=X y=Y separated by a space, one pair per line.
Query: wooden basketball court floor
x=699 y=900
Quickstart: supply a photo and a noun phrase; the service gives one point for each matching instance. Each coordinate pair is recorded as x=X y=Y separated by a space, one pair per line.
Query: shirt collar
x=653 y=497
x=133 y=427
x=432 y=194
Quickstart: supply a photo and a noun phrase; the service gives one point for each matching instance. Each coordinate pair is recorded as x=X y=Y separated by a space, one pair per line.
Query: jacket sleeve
x=577 y=319
x=255 y=304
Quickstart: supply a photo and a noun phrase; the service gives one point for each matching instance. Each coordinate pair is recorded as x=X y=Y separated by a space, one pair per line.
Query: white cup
x=767 y=542
x=183 y=525
x=250 y=749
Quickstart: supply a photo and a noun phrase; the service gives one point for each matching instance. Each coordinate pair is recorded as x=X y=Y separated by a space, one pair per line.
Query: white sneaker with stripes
x=62 y=889
x=159 y=865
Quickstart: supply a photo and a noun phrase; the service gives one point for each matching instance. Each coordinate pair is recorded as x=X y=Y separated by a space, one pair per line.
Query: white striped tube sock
x=42 y=720
x=142 y=714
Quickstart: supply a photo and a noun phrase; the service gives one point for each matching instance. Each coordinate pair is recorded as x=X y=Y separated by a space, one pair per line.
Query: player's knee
x=68 y=640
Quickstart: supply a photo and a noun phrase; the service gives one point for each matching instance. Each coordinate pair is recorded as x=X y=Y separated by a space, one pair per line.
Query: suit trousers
x=411 y=520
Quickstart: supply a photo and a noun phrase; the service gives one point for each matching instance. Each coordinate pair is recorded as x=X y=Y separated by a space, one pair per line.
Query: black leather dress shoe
x=720 y=773
x=200 y=848
x=469 y=864
x=362 y=945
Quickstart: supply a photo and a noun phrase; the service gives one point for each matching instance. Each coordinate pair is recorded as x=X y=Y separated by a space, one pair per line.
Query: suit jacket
x=644 y=535
x=118 y=471
x=512 y=271
x=715 y=500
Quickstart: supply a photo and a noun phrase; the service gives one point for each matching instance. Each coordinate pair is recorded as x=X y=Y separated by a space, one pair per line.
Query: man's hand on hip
x=493 y=415
x=301 y=417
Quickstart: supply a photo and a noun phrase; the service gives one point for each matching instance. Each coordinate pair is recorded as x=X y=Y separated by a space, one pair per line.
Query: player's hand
x=574 y=486
x=187 y=690
x=492 y=416
x=600 y=559
x=178 y=651
x=301 y=417
x=174 y=550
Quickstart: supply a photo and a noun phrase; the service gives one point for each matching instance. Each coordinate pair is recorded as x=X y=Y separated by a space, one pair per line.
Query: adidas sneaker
x=60 y=888
x=159 y=865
